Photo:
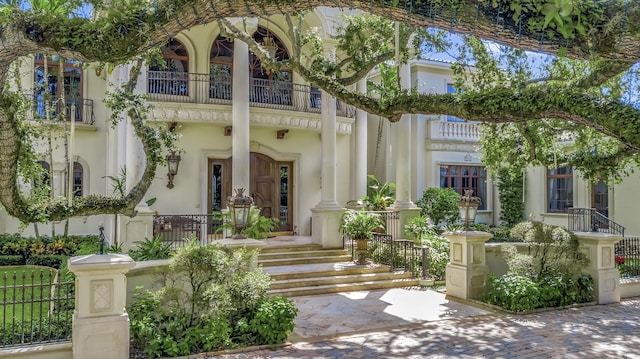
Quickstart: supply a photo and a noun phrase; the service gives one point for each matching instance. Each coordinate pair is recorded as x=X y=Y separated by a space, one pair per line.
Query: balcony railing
x=459 y=131
x=166 y=86
x=40 y=108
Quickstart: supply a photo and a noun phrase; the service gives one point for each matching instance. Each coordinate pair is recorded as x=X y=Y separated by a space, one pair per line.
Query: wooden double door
x=270 y=187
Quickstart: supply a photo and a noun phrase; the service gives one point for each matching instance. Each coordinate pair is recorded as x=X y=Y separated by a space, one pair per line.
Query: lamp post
x=468 y=207
x=239 y=206
x=173 y=161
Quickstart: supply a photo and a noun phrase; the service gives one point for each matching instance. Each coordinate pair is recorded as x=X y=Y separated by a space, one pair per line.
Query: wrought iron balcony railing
x=167 y=86
x=41 y=108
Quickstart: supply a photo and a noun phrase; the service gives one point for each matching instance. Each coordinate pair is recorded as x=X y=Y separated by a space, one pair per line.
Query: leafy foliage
x=440 y=204
x=549 y=275
x=150 y=249
x=379 y=195
x=360 y=224
x=212 y=298
x=510 y=193
x=258 y=226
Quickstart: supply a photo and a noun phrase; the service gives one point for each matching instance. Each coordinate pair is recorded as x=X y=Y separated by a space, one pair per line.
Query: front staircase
x=308 y=270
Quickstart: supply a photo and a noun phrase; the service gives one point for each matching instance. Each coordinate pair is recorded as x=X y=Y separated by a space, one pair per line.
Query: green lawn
x=24 y=292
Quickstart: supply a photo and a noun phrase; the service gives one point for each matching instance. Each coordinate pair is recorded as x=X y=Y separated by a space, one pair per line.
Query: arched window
x=78 y=173
x=267 y=86
x=170 y=76
x=221 y=69
x=48 y=90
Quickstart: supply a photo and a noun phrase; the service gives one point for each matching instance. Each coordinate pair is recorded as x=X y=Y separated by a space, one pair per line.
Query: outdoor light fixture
x=269 y=44
x=468 y=207
x=173 y=161
x=239 y=206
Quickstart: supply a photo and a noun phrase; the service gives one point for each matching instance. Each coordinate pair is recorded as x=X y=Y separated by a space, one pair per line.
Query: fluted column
x=360 y=160
x=240 y=116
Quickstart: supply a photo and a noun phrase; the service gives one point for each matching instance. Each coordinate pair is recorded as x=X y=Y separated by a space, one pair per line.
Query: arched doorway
x=270 y=186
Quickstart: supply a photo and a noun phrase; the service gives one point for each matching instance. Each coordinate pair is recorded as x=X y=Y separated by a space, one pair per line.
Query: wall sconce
x=173 y=161
x=280 y=134
x=227 y=131
x=468 y=207
x=239 y=207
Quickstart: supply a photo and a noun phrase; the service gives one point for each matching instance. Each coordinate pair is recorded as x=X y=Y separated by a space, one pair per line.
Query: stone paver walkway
x=601 y=331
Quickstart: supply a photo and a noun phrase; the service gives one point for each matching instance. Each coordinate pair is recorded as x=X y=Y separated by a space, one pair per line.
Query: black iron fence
x=627 y=257
x=82 y=107
x=167 y=86
x=590 y=220
x=35 y=307
x=180 y=229
x=399 y=254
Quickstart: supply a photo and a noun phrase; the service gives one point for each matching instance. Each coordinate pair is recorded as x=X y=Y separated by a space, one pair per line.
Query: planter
x=362 y=246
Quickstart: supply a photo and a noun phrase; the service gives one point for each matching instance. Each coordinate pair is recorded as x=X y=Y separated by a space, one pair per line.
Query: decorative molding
x=450 y=146
x=221 y=114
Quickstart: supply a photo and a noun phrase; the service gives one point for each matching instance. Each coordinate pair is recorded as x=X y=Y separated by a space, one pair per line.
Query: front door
x=270 y=187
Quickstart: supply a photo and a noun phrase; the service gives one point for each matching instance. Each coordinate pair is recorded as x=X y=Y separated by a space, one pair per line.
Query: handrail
x=590 y=220
x=186 y=87
x=40 y=107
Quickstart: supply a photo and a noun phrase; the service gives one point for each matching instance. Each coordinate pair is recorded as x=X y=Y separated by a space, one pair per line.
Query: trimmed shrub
x=53 y=261
x=441 y=205
x=11 y=260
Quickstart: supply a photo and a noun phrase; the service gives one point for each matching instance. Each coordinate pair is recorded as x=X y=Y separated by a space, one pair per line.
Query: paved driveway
x=601 y=331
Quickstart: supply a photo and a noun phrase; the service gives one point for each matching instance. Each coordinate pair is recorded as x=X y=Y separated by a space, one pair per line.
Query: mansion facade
x=301 y=153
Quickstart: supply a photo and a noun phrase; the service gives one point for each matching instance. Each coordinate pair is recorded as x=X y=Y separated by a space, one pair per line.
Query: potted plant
x=359 y=226
x=379 y=195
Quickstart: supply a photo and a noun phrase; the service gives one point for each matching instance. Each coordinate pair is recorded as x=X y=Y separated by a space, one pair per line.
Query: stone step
x=347 y=287
x=311 y=270
x=303 y=254
x=303 y=260
x=338 y=279
x=293 y=248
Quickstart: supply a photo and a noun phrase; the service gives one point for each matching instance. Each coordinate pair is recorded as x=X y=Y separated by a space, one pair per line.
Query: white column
x=240 y=116
x=360 y=159
x=418 y=133
x=328 y=148
x=402 y=150
x=327 y=214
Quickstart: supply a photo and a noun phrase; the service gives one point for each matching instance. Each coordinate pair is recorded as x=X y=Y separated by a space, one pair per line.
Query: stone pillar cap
x=100 y=261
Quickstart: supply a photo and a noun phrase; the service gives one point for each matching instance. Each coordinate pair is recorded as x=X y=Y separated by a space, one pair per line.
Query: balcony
x=166 y=86
x=460 y=131
x=40 y=107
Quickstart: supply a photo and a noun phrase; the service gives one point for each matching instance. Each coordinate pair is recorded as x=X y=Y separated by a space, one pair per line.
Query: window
x=77 y=179
x=48 y=90
x=559 y=189
x=461 y=178
x=220 y=69
x=170 y=76
x=451 y=89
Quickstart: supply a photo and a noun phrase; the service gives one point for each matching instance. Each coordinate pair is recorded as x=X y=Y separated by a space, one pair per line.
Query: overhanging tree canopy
x=602 y=31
